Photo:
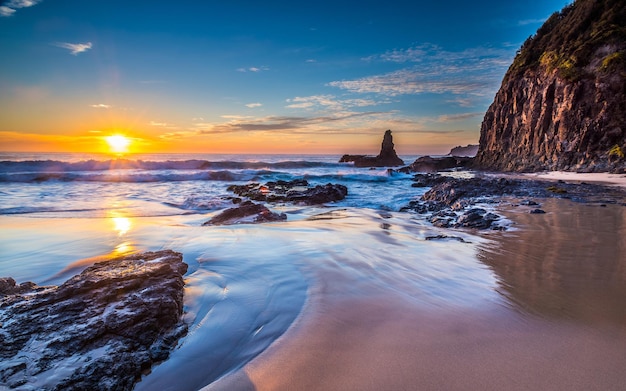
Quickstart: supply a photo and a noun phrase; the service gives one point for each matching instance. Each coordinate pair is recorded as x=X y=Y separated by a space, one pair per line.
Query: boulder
x=100 y=330
x=246 y=212
x=297 y=191
x=430 y=164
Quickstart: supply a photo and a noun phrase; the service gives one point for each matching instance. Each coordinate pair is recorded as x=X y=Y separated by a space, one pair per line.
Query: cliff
x=562 y=103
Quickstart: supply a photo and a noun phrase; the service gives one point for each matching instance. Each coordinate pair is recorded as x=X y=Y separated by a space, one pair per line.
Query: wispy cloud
x=293 y=124
x=473 y=71
x=253 y=69
x=74 y=48
x=330 y=102
x=10 y=7
x=253 y=105
x=526 y=22
x=101 y=106
x=459 y=117
x=163 y=125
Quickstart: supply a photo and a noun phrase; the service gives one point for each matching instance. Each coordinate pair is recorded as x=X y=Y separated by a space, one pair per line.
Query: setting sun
x=118 y=143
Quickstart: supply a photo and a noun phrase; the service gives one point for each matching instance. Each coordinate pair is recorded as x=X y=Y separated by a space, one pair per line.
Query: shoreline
x=381 y=340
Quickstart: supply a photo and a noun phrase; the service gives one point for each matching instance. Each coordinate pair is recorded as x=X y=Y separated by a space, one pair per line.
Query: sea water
x=246 y=284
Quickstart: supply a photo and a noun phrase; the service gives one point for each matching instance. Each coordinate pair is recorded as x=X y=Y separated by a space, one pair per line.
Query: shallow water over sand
x=557 y=322
x=349 y=296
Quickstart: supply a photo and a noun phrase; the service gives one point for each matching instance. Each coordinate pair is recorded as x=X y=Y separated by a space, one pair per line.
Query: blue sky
x=255 y=76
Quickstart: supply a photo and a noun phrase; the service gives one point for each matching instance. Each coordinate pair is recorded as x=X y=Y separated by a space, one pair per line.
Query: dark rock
x=449 y=195
x=561 y=104
x=386 y=158
x=297 y=191
x=113 y=321
x=431 y=164
x=537 y=211
x=443 y=237
x=350 y=158
x=467 y=151
x=246 y=212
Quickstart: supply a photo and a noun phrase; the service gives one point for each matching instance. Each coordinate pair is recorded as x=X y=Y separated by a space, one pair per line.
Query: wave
x=118 y=177
x=54 y=166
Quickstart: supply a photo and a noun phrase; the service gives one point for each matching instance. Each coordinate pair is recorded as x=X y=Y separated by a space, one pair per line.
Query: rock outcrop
x=452 y=202
x=100 y=330
x=435 y=164
x=466 y=151
x=246 y=212
x=386 y=158
x=562 y=103
x=297 y=191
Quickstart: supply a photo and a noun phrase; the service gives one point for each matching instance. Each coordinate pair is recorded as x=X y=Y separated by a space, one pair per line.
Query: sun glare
x=118 y=143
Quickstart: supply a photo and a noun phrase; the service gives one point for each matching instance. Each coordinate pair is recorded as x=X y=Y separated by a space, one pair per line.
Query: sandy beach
x=560 y=326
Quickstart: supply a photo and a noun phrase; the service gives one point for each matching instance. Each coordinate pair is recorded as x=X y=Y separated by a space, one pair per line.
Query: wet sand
x=560 y=323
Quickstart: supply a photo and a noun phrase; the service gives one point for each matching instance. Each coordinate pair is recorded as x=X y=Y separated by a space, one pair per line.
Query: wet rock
x=537 y=211
x=443 y=237
x=100 y=330
x=297 y=191
x=431 y=164
x=246 y=212
x=449 y=195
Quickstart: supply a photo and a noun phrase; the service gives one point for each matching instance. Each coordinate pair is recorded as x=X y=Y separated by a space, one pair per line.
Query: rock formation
x=386 y=158
x=562 y=103
x=246 y=212
x=297 y=191
x=100 y=330
x=434 y=164
x=469 y=150
x=451 y=202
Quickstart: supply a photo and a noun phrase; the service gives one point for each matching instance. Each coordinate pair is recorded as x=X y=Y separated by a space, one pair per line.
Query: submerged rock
x=297 y=191
x=246 y=212
x=100 y=330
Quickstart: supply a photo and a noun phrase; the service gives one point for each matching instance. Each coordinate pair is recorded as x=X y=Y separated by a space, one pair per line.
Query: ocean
x=247 y=284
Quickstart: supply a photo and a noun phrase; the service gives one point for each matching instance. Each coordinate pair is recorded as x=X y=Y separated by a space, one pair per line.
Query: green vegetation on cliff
x=568 y=40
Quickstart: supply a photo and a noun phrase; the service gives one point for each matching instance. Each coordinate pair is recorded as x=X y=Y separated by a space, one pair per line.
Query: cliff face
x=562 y=104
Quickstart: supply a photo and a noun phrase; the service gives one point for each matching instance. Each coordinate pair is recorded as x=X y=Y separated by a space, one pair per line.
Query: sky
x=255 y=76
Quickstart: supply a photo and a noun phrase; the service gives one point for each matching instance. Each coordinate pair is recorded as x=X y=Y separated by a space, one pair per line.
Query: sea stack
x=562 y=103
x=386 y=158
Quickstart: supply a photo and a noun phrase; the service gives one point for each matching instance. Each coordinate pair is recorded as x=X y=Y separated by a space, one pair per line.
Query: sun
x=118 y=143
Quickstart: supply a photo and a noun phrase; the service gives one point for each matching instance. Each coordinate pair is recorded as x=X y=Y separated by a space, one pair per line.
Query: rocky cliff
x=562 y=103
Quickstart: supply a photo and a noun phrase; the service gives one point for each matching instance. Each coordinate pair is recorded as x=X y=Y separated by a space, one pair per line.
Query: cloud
x=329 y=102
x=12 y=6
x=531 y=21
x=293 y=124
x=458 y=117
x=473 y=71
x=74 y=48
x=101 y=106
x=253 y=105
x=163 y=125
x=253 y=69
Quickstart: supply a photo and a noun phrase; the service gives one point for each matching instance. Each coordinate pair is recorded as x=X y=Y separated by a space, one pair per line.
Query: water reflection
x=569 y=263
x=121 y=224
